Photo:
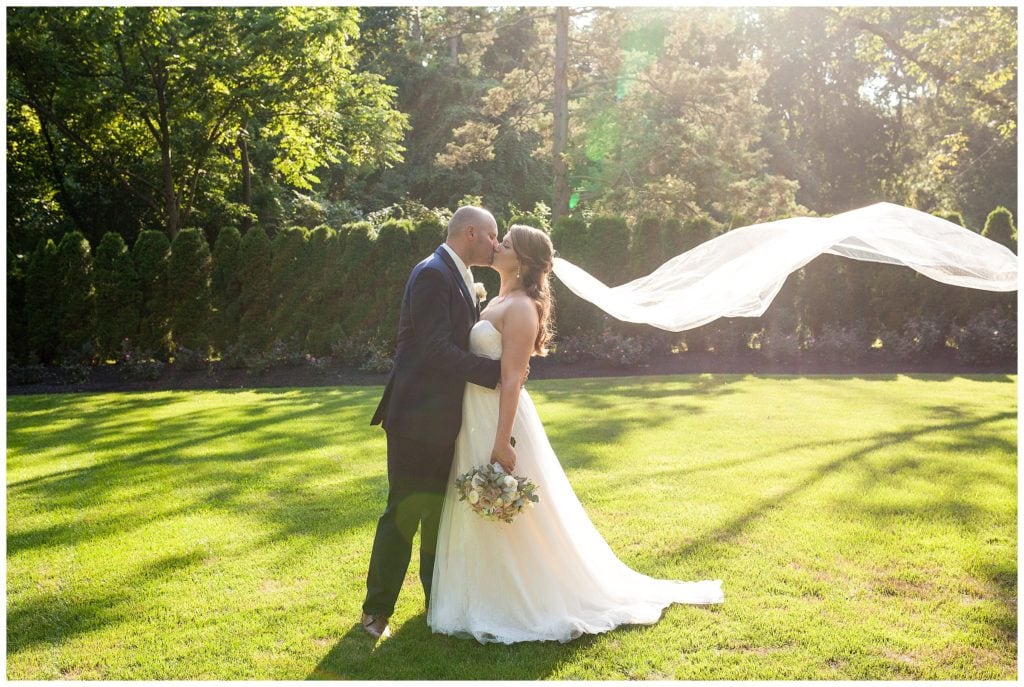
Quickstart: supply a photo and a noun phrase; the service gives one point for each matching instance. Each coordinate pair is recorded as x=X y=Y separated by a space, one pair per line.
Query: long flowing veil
x=738 y=273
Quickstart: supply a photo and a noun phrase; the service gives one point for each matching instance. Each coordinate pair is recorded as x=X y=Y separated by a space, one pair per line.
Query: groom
x=421 y=409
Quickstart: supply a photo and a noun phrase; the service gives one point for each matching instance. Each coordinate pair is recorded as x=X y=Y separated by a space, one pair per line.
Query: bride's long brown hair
x=535 y=252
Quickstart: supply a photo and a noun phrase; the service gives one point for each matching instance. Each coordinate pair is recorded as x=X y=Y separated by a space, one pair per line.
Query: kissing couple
x=455 y=400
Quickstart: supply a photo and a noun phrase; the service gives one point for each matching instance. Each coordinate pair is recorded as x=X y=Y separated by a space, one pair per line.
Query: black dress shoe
x=376 y=626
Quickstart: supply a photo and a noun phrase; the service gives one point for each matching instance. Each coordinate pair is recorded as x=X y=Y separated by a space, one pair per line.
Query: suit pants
x=417 y=478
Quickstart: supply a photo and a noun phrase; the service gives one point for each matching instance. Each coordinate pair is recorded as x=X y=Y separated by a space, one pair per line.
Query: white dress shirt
x=467 y=275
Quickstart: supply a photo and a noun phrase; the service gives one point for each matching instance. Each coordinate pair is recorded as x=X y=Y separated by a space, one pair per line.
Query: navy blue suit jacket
x=423 y=397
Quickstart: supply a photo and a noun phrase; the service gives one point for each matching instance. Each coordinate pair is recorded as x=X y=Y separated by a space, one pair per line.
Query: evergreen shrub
x=150 y=256
x=989 y=337
x=189 y=293
x=77 y=298
x=1000 y=228
x=225 y=287
x=290 y=284
x=255 y=253
x=42 y=302
x=118 y=296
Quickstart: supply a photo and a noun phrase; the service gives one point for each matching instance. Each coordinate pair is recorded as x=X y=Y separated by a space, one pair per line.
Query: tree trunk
x=453 y=49
x=560 y=136
x=417 y=28
x=243 y=149
x=170 y=197
x=171 y=213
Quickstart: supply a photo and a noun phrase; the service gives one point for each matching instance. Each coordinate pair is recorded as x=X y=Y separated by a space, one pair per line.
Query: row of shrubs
x=334 y=295
x=307 y=291
x=988 y=337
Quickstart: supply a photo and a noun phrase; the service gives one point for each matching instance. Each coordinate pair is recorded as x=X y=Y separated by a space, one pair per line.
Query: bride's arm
x=518 y=332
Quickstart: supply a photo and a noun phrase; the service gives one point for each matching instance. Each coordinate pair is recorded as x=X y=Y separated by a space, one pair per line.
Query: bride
x=552 y=575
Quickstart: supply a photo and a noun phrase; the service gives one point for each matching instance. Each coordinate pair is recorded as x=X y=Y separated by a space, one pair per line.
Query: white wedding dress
x=549 y=575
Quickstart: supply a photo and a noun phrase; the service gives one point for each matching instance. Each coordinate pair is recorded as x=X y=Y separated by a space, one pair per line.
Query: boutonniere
x=481 y=292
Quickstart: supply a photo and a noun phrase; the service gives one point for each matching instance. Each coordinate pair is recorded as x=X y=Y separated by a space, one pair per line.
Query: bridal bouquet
x=494 y=494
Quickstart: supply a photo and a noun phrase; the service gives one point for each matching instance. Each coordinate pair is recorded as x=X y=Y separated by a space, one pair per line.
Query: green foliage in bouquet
x=494 y=494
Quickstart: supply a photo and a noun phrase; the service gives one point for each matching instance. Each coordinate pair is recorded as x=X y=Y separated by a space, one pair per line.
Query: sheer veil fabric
x=738 y=273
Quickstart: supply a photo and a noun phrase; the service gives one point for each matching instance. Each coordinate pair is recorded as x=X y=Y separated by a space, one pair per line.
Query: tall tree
x=946 y=79
x=560 y=116
x=825 y=132
x=162 y=96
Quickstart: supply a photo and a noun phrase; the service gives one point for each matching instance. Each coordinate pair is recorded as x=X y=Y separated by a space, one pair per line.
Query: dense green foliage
x=225 y=287
x=118 y=297
x=150 y=254
x=42 y=302
x=76 y=295
x=254 y=258
x=320 y=150
x=189 y=291
x=865 y=528
x=304 y=116
x=165 y=117
x=1000 y=228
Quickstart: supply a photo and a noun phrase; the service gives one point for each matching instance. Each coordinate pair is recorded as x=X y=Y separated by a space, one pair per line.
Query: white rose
x=473 y=497
x=511 y=482
x=481 y=291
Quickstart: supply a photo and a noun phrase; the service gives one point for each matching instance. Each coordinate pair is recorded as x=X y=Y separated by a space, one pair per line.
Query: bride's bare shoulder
x=521 y=310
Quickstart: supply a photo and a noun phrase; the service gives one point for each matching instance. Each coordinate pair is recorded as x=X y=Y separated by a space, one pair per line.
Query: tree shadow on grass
x=54 y=617
x=99 y=421
x=232 y=479
x=607 y=409
x=735 y=527
x=226 y=481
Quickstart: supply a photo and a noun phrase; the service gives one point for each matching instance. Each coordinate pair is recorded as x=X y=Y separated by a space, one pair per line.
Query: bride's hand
x=504 y=456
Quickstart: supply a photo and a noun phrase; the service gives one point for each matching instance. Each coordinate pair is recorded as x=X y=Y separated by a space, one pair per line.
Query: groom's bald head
x=473 y=235
x=468 y=216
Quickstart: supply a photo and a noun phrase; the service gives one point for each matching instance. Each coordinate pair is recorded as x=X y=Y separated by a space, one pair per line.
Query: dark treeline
x=332 y=294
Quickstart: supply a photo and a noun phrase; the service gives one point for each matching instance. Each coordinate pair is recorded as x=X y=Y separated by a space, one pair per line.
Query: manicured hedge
x=338 y=291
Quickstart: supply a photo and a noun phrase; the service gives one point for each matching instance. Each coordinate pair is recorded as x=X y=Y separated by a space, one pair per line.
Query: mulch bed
x=217 y=376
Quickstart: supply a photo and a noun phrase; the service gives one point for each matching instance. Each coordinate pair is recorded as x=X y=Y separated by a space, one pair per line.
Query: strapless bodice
x=485 y=340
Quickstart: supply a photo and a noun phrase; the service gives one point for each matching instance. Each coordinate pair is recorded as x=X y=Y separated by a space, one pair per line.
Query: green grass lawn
x=864 y=527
